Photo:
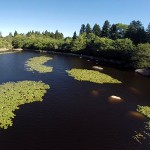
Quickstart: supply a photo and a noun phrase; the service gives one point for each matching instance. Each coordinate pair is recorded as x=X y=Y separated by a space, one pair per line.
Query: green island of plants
x=91 y=76
x=145 y=110
x=14 y=94
x=143 y=134
x=36 y=64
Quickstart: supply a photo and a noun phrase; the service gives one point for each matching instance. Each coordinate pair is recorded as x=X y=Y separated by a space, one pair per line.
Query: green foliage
x=148 y=33
x=136 y=32
x=15 y=33
x=67 y=44
x=36 y=64
x=113 y=32
x=104 y=44
x=74 y=35
x=106 y=29
x=145 y=110
x=18 y=41
x=79 y=43
x=141 y=56
x=15 y=94
x=123 y=44
x=144 y=133
x=121 y=30
x=113 y=42
x=91 y=76
x=83 y=29
x=6 y=43
x=88 y=29
x=96 y=30
x=58 y=35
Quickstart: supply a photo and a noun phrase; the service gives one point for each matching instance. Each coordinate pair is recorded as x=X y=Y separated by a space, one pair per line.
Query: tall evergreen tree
x=74 y=35
x=58 y=35
x=113 y=32
x=136 y=32
x=121 y=29
x=15 y=33
x=88 y=29
x=83 y=29
x=106 y=29
x=96 y=30
x=148 y=33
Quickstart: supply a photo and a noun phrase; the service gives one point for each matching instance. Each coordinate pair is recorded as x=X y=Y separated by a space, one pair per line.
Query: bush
x=141 y=56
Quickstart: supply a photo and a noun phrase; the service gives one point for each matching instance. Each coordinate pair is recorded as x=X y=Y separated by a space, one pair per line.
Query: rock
x=97 y=67
x=144 y=72
x=115 y=97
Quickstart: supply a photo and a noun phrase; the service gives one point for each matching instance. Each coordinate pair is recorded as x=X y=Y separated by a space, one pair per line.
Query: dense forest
x=127 y=44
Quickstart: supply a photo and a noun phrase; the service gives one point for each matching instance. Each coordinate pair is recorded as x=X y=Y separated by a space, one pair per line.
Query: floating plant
x=145 y=110
x=92 y=76
x=14 y=94
x=143 y=134
x=36 y=64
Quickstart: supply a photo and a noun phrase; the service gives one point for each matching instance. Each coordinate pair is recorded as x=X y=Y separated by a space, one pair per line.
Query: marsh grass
x=14 y=94
x=91 y=76
x=37 y=64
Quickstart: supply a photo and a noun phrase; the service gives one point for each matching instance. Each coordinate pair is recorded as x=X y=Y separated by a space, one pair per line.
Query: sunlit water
x=75 y=115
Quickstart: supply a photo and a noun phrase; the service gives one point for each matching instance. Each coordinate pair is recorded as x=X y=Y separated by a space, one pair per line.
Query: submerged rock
x=97 y=67
x=144 y=72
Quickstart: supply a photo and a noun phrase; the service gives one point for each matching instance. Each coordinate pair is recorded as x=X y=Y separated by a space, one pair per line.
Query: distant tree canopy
x=129 y=44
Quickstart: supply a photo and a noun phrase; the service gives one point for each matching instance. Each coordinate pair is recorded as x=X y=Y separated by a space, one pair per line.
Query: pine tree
x=136 y=32
x=83 y=29
x=15 y=33
x=148 y=33
x=113 y=32
x=74 y=35
x=96 y=30
x=88 y=29
x=106 y=29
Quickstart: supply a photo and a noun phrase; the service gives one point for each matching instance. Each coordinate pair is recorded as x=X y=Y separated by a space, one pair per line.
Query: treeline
x=128 y=44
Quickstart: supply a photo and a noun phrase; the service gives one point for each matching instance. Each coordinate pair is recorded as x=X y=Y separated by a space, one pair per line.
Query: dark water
x=75 y=115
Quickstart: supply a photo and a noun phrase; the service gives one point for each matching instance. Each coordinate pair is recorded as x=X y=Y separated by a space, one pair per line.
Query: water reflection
x=136 y=115
x=115 y=99
x=97 y=92
x=135 y=91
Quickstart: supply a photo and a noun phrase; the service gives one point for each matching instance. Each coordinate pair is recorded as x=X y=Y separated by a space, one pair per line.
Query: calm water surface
x=75 y=115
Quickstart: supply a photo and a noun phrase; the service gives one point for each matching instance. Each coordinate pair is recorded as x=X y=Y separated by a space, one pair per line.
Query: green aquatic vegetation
x=14 y=94
x=92 y=76
x=37 y=64
x=144 y=133
x=145 y=110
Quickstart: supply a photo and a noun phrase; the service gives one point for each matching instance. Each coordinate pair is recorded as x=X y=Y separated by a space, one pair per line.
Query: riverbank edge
x=6 y=49
x=79 y=55
x=112 y=62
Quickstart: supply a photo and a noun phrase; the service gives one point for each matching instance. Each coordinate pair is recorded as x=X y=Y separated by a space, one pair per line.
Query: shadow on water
x=75 y=115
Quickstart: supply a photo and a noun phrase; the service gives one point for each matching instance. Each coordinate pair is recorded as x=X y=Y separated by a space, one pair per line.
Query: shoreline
x=104 y=61
x=4 y=49
x=111 y=61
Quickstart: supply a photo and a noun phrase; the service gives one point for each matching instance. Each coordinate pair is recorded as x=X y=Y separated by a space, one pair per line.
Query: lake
x=75 y=115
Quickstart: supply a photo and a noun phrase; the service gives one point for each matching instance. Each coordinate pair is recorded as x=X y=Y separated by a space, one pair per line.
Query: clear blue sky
x=68 y=15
